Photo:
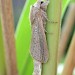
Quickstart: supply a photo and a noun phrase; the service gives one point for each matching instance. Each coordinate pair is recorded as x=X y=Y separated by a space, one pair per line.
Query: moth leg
x=47 y=32
x=49 y=20
x=46 y=18
x=52 y=21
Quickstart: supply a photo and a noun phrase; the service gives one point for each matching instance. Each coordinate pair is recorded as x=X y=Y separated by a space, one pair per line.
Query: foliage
x=2 y=61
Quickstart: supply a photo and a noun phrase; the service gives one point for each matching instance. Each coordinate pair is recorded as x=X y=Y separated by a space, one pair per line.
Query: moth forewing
x=39 y=49
x=32 y=14
x=43 y=43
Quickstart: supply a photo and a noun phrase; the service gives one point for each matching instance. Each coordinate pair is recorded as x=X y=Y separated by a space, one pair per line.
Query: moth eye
x=42 y=2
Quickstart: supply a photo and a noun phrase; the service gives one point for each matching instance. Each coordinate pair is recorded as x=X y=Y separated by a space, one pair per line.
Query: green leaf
x=23 y=37
x=72 y=1
x=54 y=14
x=2 y=60
x=64 y=5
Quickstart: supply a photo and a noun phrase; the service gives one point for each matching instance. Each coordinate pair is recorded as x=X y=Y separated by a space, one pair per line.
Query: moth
x=38 y=18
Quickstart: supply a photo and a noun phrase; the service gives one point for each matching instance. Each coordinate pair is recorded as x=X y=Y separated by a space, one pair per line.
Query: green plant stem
x=2 y=60
x=72 y=1
x=8 y=37
x=65 y=4
x=70 y=60
x=54 y=14
x=66 y=30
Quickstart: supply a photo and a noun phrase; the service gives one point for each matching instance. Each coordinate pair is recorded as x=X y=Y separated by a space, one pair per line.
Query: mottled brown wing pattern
x=43 y=43
x=35 y=44
x=39 y=50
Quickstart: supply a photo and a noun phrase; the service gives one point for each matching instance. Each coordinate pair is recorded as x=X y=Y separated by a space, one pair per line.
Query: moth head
x=44 y=4
x=37 y=4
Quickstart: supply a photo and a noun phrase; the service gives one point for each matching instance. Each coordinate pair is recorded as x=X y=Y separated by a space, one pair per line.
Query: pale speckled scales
x=39 y=49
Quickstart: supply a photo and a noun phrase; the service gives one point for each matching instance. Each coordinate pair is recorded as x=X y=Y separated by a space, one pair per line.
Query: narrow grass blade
x=23 y=37
x=54 y=14
x=2 y=59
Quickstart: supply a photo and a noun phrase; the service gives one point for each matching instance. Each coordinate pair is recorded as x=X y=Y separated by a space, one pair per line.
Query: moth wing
x=43 y=42
x=39 y=49
x=32 y=15
x=35 y=43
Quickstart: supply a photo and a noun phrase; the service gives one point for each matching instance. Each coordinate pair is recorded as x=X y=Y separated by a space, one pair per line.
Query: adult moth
x=38 y=18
